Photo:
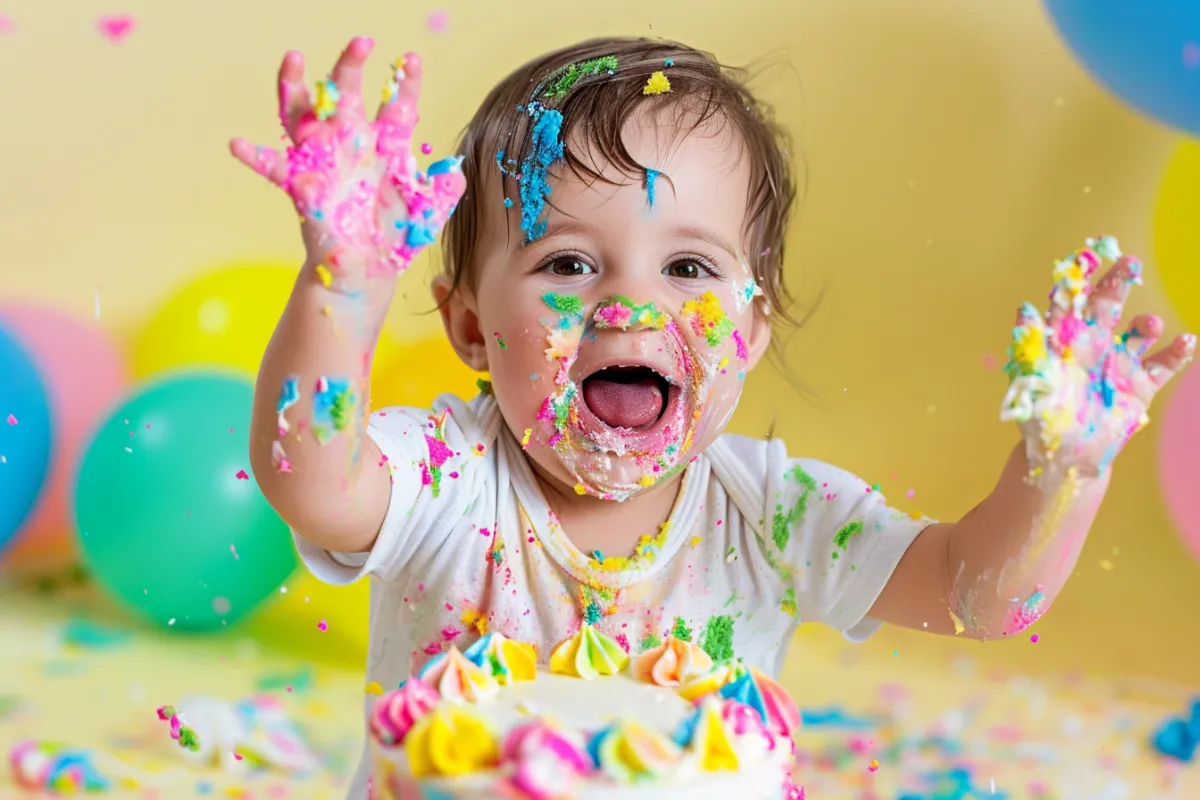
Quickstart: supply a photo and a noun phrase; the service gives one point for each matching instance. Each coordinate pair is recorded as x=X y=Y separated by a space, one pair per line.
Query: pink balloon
x=1179 y=457
x=85 y=376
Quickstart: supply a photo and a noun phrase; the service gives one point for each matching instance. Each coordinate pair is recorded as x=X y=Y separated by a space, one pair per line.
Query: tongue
x=623 y=405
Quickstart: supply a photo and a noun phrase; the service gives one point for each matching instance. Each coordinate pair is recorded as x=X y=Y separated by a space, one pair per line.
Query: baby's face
x=618 y=341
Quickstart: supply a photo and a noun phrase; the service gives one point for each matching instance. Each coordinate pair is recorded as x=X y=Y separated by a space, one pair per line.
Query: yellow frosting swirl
x=588 y=654
x=671 y=663
x=711 y=741
x=707 y=683
x=457 y=679
x=629 y=752
x=451 y=740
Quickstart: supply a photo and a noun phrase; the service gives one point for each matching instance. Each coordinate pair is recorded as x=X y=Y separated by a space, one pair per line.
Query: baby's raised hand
x=1079 y=387
x=366 y=209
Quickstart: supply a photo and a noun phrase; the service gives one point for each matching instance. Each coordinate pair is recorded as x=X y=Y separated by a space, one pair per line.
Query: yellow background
x=953 y=148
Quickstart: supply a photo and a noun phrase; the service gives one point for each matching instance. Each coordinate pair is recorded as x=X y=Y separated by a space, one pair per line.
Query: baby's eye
x=568 y=267
x=688 y=269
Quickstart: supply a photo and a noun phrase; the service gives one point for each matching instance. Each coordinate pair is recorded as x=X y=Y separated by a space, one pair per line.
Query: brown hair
x=595 y=105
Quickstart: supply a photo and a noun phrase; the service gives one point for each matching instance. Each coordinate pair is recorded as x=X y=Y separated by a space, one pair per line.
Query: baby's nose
x=619 y=312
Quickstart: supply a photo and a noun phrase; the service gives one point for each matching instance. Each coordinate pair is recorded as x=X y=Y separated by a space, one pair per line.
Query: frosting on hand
x=457 y=679
x=506 y=660
x=588 y=654
x=629 y=752
x=546 y=760
x=396 y=712
x=672 y=663
x=451 y=740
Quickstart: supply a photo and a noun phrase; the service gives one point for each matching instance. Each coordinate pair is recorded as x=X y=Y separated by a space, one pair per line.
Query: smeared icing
x=624 y=314
x=457 y=679
x=451 y=740
x=334 y=406
x=708 y=318
x=588 y=654
x=671 y=663
x=289 y=395
x=1023 y=615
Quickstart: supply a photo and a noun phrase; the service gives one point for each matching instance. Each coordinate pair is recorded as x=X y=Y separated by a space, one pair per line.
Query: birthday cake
x=488 y=722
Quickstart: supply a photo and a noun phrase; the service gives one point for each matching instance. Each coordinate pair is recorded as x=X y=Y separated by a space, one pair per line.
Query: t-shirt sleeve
x=435 y=472
x=835 y=541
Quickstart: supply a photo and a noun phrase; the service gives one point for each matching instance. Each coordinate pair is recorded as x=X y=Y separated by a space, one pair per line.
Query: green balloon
x=165 y=522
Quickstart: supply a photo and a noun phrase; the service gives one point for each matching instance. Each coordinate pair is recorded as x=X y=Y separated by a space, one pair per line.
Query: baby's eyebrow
x=704 y=234
x=562 y=226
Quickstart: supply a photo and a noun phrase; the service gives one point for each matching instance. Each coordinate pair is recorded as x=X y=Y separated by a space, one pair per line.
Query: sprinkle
x=426 y=148
x=1034 y=638
x=324 y=275
x=500 y=341
x=657 y=84
x=525 y=438
x=437 y=21
x=12 y=420
x=322 y=626
x=873 y=766
x=241 y=475
x=508 y=203
x=670 y=62
x=116 y=27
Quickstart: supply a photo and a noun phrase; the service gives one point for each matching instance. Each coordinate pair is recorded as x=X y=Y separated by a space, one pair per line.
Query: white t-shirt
x=755 y=540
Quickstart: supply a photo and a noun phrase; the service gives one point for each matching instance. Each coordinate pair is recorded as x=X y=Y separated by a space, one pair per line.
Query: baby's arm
x=1080 y=390
x=366 y=212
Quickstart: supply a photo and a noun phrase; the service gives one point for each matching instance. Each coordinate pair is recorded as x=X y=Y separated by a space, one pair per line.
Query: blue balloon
x=1148 y=53
x=24 y=435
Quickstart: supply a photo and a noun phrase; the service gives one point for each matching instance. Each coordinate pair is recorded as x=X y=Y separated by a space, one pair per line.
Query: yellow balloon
x=415 y=374
x=1177 y=233
x=223 y=319
x=316 y=621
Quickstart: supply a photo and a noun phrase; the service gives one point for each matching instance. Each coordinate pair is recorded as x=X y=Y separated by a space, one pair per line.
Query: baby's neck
x=612 y=528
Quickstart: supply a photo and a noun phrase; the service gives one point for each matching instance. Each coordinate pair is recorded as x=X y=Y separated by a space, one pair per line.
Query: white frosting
x=591 y=706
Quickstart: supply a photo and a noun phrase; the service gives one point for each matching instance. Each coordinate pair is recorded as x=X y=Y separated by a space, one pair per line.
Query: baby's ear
x=760 y=335
x=460 y=321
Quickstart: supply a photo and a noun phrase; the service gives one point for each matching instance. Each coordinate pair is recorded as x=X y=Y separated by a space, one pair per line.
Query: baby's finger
x=1167 y=362
x=1142 y=333
x=266 y=161
x=294 y=100
x=1107 y=299
x=399 y=107
x=347 y=76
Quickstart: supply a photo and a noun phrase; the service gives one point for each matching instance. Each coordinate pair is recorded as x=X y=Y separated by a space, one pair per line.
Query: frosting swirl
x=629 y=752
x=546 y=760
x=396 y=712
x=671 y=663
x=723 y=734
x=457 y=679
x=507 y=661
x=451 y=740
x=588 y=654
x=749 y=686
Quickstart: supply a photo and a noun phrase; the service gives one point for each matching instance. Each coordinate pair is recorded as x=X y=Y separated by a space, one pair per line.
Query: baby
x=616 y=267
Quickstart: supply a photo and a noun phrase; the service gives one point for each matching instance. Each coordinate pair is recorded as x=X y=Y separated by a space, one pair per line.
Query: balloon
x=222 y=319
x=170 y=521
x=25 y=438
x=1141 y=51
x=1179 y=457
x=415 y=374
x=84 y=374
x=1177 y=232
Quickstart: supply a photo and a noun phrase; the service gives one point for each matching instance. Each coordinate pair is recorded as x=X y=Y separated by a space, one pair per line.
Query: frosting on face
x=668 y=365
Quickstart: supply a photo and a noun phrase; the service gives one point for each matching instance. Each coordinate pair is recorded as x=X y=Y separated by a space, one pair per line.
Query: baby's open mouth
x=633 y=398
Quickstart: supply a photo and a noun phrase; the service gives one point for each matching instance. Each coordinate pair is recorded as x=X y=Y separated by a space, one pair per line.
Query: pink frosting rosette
x=396 y=712
x=544 y=760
